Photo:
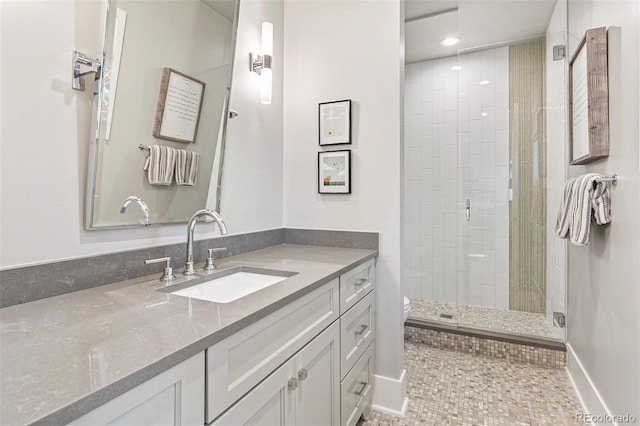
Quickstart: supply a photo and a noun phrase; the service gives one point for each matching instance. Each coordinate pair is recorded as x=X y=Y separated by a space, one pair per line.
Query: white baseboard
x=590 y=398
x=390 y=395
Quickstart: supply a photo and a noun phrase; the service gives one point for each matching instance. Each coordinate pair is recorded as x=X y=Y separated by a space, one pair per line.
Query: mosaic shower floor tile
x=477 y=316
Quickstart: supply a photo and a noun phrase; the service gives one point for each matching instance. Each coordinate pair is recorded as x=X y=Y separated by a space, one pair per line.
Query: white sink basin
x=231 y=287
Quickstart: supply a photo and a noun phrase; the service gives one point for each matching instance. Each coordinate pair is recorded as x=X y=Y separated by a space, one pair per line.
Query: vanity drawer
x=356 y=390
x=357 y=331
x=356 y=283
x=241 y=361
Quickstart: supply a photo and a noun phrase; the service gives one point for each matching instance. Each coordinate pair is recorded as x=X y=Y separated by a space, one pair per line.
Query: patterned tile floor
x=486 y=318
x=453 y=388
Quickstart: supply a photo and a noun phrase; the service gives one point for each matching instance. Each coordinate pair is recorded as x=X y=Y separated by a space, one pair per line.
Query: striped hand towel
x=585 y=200
x=160 y=164
x=186 y=167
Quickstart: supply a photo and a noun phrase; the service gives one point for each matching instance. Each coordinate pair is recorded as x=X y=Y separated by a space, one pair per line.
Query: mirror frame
x=96 y=113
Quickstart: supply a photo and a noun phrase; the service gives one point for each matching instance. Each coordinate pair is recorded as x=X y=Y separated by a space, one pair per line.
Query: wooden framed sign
x=179 y=107
x=589 y=99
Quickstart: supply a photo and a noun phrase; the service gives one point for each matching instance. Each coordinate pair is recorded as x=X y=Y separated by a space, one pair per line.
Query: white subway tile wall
x=457 y=147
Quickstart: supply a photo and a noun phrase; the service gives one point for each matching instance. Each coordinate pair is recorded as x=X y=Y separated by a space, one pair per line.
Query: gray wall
x=604 y=277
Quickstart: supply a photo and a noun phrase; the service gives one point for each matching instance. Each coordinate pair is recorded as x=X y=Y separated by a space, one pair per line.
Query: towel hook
x=83 y=65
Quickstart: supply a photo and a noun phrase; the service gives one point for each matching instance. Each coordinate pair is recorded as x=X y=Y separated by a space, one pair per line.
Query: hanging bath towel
x=186 y=167
x=585 y=200
x=160 y=164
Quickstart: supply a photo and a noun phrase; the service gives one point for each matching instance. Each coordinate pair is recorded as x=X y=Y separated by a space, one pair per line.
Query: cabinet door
x=175 y=397
x=270 y=403
x=318 y=375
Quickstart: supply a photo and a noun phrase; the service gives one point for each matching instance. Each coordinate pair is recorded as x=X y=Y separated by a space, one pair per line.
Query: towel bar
x=613 y=179
x=143 y=148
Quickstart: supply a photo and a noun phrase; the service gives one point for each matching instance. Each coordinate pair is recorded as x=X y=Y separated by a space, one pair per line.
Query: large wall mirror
x=193 y=42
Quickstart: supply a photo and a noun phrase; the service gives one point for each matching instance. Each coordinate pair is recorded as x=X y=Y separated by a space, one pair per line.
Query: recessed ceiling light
x=450 y=41
x=456 y=68
x=484 y=82
x=484 y=114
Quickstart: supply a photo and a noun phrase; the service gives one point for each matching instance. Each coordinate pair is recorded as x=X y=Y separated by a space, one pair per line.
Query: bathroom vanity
x=300 y=351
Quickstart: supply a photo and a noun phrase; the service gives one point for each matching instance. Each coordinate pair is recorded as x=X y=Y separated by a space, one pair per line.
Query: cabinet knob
x=302 y=374
x=292 y=384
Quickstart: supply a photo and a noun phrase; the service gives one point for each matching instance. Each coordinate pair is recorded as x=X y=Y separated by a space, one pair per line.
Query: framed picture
x=335 y=122
x=179 y=106
x=589 y=99
x=334 y=172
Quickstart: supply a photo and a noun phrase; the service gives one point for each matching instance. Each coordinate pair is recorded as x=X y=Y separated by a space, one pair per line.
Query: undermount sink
x=233 y=284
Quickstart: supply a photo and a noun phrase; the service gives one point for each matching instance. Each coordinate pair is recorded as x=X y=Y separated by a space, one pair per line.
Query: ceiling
x=476 y=22
x=226 y=8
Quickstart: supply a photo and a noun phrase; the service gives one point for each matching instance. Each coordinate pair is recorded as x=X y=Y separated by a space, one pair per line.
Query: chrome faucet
x=143 y=206
x=188 y=266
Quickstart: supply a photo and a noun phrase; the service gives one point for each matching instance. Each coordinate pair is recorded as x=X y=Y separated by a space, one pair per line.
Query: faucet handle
x=167 y=274
x=209 y=265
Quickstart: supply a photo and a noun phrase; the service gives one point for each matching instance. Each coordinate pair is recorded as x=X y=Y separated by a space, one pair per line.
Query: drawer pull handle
x=292 y=384
x=360 y=282
x=363 y=328
x=361 y=391
x=302 y=374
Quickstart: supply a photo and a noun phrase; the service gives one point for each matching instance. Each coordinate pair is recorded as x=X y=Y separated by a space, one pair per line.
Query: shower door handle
x=467 y=210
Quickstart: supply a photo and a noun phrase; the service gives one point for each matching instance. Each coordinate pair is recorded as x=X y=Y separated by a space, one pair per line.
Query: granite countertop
x=63 y=356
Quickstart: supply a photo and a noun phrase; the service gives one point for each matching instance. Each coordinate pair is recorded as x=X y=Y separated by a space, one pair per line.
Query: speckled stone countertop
x=63 y=356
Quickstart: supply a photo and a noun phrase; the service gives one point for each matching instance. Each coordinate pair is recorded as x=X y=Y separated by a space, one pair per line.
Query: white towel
x=160 y=164
x=186 y=167
x=585 y=200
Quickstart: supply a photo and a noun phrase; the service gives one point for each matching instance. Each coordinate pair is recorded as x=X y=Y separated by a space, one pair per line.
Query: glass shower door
x=483 y=178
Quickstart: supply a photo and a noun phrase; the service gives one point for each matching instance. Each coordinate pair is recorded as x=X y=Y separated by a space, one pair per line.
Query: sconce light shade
x=261 y=63
x=267 y=38
x=266 y=86
x=267 y=51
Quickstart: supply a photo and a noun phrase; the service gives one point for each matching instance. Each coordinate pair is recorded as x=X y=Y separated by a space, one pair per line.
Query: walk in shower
x=483 y=129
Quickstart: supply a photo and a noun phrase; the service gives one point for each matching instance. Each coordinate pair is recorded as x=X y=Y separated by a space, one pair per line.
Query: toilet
x=407 y=308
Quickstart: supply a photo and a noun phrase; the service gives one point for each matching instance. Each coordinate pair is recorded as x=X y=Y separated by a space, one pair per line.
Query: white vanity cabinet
x=285 y=370
x=303 y=391
x=175 y=397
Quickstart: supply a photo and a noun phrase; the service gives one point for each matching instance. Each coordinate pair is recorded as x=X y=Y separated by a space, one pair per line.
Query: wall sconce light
x=261 y=63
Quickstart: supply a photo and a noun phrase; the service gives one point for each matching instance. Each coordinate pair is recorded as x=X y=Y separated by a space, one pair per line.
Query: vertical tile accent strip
x=527 y=247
